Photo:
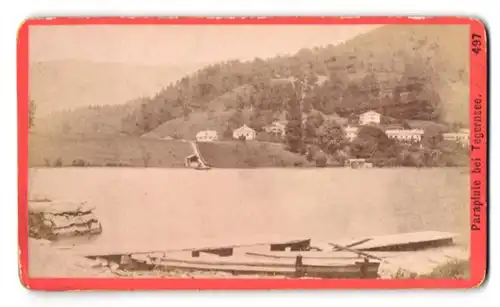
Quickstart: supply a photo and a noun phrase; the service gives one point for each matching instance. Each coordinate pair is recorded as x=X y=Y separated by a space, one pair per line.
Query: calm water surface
x=161 y=206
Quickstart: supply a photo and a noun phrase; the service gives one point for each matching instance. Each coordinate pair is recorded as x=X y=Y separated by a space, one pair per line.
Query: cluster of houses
x=211 y=135
x=403 y=135
x=399 y=134
x=243 y=132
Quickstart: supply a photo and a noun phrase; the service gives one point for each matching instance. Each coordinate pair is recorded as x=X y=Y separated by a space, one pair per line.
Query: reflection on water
x=161 y=206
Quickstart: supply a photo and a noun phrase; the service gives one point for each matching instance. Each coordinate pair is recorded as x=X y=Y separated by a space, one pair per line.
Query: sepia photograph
x=250 y=151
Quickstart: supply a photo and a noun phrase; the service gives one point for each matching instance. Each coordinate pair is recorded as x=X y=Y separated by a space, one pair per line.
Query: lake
x=162 y=206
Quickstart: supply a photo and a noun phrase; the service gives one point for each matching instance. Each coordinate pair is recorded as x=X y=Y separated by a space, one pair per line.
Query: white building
x=351 y=132
x=276 y=128
x=462 y=137
x=370 y=117
x=244 y=131
x=207 y=136
x=405 y=135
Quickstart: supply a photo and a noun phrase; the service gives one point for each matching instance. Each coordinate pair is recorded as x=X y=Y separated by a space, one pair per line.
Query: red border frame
x=478 y=86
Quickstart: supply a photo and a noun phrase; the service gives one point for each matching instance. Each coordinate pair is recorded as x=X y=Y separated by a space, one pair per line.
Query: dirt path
x=197 y=153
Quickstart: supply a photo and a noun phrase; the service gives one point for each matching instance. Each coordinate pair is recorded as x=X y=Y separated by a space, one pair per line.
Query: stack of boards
x=53 y=220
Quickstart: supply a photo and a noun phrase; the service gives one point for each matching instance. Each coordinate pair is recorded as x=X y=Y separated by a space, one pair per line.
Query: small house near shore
x=192 y=161
x=462 y=137
x=276 y=128
x=244 y=132
x=370 y=117
x=207 y=136
x=351 y=132
x=357 y=163
x=405 y=135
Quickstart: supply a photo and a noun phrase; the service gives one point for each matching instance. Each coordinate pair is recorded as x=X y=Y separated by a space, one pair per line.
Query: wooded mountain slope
x=410 y=72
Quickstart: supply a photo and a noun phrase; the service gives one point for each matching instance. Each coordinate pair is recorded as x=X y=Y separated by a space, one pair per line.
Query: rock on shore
x=52 y=220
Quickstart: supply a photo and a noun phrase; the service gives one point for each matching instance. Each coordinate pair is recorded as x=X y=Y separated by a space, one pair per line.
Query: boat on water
x=202 y=167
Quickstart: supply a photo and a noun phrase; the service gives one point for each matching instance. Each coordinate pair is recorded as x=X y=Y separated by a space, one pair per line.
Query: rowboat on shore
x=287 y=257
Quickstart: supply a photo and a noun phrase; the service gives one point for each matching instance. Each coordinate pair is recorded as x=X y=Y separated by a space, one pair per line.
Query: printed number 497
x=476 y=43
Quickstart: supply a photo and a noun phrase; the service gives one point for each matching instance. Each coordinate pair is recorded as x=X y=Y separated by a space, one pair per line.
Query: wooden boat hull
x=202 y=168
x=248 y=265
x=289 y=257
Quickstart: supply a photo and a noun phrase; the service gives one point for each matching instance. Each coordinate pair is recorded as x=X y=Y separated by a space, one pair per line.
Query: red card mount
x=287 y=254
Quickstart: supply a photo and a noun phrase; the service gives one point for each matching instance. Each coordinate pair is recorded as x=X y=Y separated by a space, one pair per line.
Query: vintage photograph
x=321 y=151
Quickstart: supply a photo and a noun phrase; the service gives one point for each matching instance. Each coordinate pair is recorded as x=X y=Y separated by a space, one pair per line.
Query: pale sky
x=171 y=44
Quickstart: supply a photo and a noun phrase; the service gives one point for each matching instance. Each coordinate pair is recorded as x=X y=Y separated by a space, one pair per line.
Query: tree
x=310 y=154
x=321 y=160
x=432 y=139
x=257 y=121
x=309 y=133
x=185 y=113
x=144 y=123
x=330 y=137
x=419 y=81
x=293 y=131
x=307 y=103
x=372 y=142
x=293 y=135
x=456 y=126
x=31 y=114
x=146 y=156
x=313 y=122
x=227 y=133
x=236 y=119
x=370 y=84
x=406 y=125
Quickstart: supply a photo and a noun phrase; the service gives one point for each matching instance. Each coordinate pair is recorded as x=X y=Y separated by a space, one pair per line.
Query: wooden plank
x=250 y=261
x=356 y=243
x=321 y=246
x=94 y=250
x=231 y=261
x=323 y=255
x=410 y=240
x=235 y=269
x=349 y=269
x=356 y=270
x=340 y=247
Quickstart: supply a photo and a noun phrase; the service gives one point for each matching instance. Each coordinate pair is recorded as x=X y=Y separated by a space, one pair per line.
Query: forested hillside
x=403 y=72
